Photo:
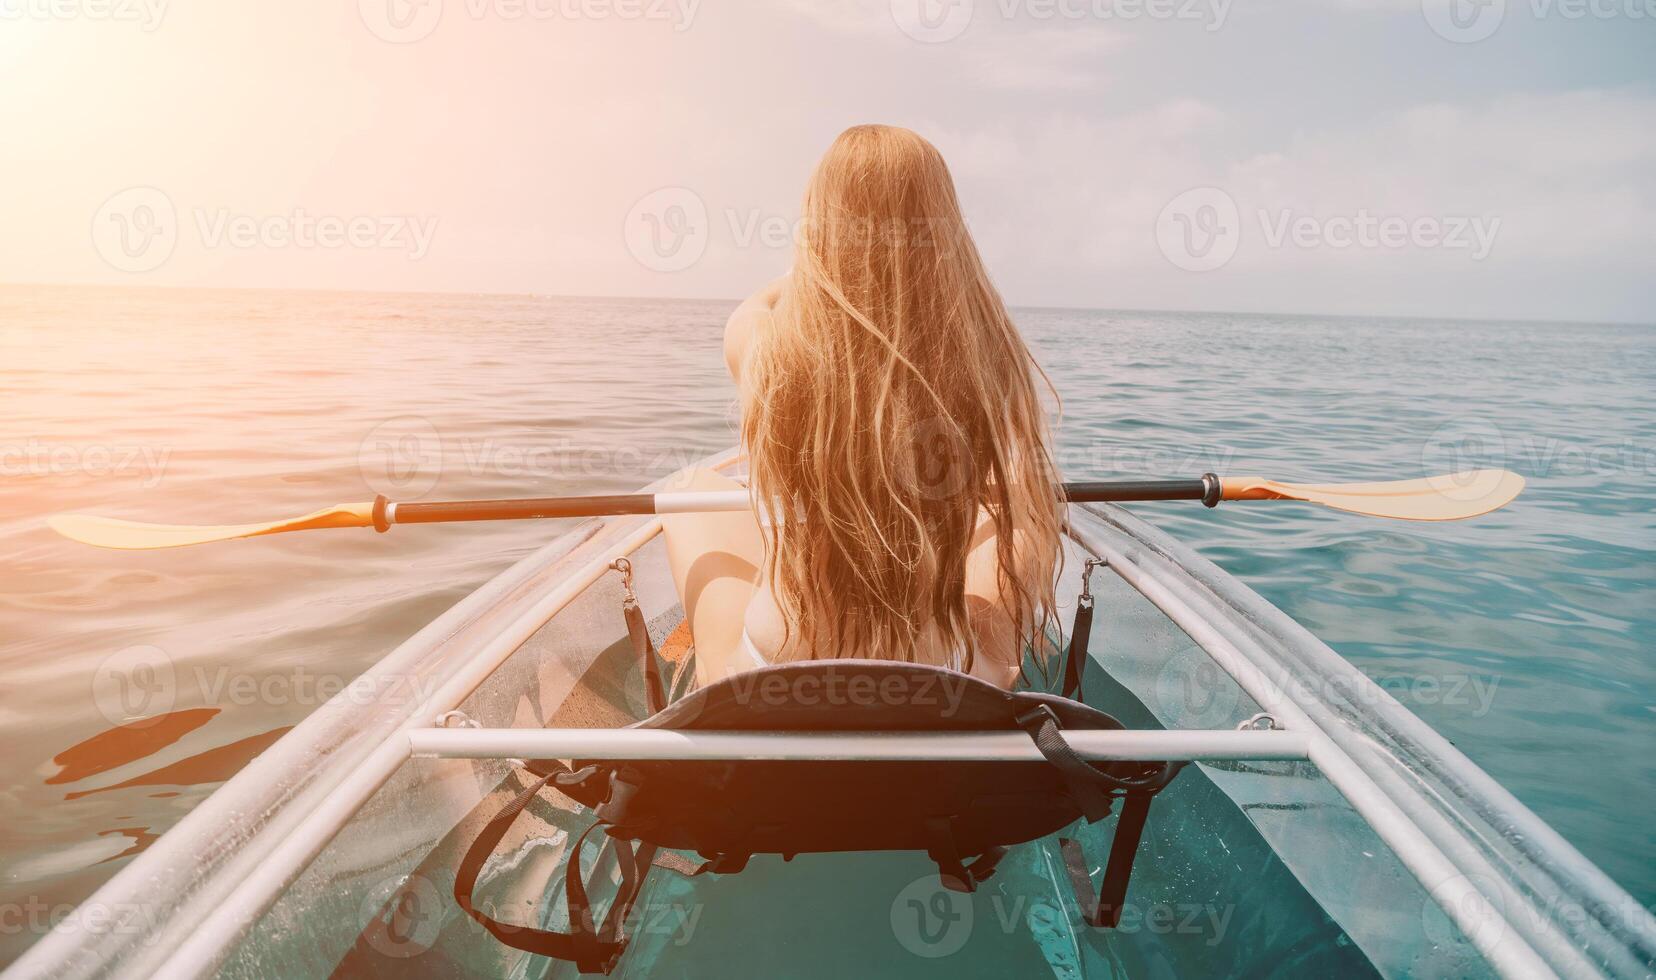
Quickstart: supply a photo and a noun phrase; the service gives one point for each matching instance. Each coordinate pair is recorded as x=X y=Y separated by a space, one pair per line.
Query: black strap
x=593 y=948
x=1088 y=787
x=1080 y=876
x=953 y=870
x=1112 y=895
x=985 y=863
x=1076 y=660
x=644 y=647
x=1105 y=911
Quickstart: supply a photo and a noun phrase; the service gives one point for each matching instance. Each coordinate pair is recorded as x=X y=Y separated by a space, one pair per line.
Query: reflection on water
x=127 y=743
x=141 y=838
x=1524 y=636
x=212 y=766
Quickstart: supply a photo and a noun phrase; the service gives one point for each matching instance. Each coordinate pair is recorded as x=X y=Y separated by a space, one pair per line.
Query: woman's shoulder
x=753 y=315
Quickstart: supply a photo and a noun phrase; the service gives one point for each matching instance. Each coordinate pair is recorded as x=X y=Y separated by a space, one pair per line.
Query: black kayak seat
x=964 y=815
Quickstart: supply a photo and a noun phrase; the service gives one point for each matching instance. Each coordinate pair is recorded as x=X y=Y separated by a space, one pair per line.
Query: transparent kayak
x=1373 y=847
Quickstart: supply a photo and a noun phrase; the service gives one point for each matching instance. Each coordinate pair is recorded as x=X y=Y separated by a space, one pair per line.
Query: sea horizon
x=1031 y=307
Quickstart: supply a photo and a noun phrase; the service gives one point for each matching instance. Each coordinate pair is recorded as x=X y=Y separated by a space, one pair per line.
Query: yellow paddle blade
x=1450 y=497
x=109 y=532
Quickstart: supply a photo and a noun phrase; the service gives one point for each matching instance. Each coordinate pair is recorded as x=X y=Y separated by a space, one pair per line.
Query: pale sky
x=1409 y=157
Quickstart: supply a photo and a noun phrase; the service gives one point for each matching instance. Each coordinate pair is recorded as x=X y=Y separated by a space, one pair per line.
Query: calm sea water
x=1525 y=636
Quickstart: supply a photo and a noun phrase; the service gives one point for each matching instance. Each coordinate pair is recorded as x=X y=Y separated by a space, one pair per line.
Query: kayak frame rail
x=1146 y=745
x=201 y=934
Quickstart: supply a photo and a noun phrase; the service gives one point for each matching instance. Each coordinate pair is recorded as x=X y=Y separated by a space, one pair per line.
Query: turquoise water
x=1524 y=636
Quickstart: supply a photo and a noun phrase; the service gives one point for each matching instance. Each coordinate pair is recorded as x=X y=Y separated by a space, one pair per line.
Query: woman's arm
x=1000 y=647
x=741 y=327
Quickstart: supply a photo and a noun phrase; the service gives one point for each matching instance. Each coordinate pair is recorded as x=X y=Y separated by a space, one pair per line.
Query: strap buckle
x=1032 y=719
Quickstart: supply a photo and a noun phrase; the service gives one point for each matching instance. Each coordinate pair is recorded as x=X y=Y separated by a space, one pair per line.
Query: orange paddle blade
x=1450 y=497
x=110 y=532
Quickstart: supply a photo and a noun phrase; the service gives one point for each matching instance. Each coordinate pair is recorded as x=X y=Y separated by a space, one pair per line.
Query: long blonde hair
x=889 y=400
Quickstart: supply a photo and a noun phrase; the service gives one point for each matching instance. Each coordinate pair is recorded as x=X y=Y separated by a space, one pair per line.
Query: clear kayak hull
x=1386 y=852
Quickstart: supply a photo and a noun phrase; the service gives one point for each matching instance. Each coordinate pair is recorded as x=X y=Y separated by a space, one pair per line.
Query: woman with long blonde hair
x=897 y=443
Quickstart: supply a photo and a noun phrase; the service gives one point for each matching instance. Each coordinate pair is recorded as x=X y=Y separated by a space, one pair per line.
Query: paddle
x=1437 y=498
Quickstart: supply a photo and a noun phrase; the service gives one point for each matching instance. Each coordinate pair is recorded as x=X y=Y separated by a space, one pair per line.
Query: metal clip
x=453 y=719
x=624 y=566
x=1086 y=578
x=1262 y=722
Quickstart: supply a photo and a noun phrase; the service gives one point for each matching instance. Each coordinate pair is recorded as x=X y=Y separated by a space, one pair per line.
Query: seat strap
x=1090 y=789
x=1105 y=911
x=597 y=947
x=1112 y=895
x=956 y=874
x=644 y=648
x=1076 y=660
x=592 y=948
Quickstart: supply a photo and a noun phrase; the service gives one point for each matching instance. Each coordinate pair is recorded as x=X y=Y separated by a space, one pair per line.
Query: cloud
x=1051 y=58
x=848 y=16
x=1066 y=206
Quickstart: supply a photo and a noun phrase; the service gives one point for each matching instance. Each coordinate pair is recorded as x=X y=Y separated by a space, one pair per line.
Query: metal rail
x=1505 y=949
x=304 y=836
x=200 y=955
x=660 y=743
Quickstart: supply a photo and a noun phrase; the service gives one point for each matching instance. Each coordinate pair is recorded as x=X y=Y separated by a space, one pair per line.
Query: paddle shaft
x=1206 y=489
x=1451 y=497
